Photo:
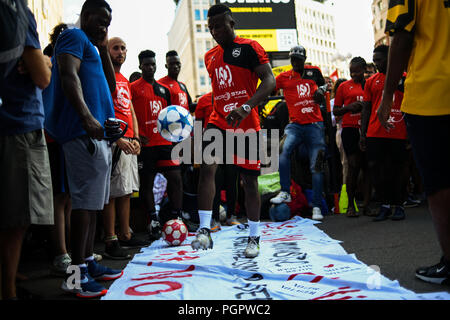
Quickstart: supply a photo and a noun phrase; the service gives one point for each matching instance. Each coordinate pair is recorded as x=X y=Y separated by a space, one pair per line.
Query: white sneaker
x=282 y=197
x=317 y=214
x=97 y=257
x=203 y=240
x=252 y=250
x=61 y=263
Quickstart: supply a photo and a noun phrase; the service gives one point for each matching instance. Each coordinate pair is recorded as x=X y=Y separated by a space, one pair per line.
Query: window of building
x=202 y=80
x=208 y=45
x=197 y=15
x=198 y=27
x=205 y=14
x=201 y=63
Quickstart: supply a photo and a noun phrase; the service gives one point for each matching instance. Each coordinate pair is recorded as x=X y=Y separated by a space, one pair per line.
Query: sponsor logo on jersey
x=230 y=107
x=303 y=90
x=155 y=107
x=236 y=52
x=224 y=77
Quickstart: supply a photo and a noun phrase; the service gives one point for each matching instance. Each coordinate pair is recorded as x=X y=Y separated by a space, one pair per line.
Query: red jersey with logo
x=299 y=95
x=204 y=108
x=178 y=92
x=373 y=93
x=148 y=101
x=349 y=92
x=122 y=103
x=234 y=80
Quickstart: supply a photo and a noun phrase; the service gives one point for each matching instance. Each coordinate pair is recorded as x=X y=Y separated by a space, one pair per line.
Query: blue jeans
x=312 y=136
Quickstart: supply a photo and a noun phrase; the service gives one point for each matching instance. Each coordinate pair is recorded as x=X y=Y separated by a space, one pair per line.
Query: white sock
x=91 y=258
x=254 y=228
x=205 y=218
x=387 y=206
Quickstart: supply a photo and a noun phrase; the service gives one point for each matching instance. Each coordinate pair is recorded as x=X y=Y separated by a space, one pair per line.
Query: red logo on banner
x=172 y=286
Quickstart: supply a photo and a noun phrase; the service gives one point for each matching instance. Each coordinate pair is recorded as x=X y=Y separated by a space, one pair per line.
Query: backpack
x=13 y=32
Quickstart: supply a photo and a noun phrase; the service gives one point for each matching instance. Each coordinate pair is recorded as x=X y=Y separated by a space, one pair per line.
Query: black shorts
x=246 y=160
x=350 y=140
x=158 y=159
x=430 y=141
x=393 y=150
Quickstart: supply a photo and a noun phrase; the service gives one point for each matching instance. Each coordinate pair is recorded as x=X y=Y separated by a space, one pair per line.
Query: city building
x=379 y=10
x=316 y=32
x=48 y=14
x=190 y=37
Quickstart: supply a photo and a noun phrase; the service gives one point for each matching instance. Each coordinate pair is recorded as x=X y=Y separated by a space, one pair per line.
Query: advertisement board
x=270 y=22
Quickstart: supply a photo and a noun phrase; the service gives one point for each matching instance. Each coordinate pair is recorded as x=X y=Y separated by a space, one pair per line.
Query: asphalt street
x=397 y=248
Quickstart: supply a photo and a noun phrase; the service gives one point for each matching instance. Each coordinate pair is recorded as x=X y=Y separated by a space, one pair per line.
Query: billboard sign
x=270 y=22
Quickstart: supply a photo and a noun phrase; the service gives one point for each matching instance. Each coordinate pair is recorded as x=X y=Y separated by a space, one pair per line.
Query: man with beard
x=124 y=174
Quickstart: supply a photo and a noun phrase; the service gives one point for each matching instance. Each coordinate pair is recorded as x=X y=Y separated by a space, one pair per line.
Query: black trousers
x=387 y=165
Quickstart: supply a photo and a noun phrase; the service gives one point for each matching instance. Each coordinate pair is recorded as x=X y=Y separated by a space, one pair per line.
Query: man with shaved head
x=124 y=174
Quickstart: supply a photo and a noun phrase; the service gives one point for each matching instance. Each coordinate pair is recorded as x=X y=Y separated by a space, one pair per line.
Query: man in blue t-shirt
x=77 y=104
x=26 y=186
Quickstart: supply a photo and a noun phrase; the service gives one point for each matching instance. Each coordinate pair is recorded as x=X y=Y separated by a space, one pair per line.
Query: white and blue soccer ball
x=175 y=123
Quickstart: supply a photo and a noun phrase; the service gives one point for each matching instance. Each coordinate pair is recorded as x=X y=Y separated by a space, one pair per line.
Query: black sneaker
x=155 y=230
x=439 y=274
x=114 y=251
x=203 y=240
x=383 y=214
x=134 y=243
x=399 y=214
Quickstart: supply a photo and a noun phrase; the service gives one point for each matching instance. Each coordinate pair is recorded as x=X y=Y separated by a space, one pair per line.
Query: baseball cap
x=298 y=51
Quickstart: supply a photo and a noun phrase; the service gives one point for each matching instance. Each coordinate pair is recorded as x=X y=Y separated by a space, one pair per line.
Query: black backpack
x=13 y=32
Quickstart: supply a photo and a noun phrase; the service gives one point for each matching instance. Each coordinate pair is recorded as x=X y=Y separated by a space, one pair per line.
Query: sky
x=144 y=24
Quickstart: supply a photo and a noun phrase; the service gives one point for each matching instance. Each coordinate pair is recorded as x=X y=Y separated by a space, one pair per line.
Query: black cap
x=298 y=52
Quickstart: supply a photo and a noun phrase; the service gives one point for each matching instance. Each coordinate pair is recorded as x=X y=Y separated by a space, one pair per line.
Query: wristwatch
x=247 y=108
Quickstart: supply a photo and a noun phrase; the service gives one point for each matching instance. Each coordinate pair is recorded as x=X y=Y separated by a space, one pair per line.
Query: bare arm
x=399 y=54
x=137 y=145
x=354 y=107
x=365 y=118
x=267 y=86
x=69 y=66
x=108 y=68
x=37 y=66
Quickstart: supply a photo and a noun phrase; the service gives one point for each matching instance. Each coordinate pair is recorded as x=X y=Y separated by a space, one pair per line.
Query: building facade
x=379 y=10
x=48 y=14
x=317 y=33
x=190 y=37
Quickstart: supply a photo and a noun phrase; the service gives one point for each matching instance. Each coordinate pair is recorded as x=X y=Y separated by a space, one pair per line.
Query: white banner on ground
x=297 y=262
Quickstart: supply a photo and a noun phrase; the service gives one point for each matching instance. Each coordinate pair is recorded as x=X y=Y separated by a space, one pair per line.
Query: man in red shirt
x=386 y=149
x=149 y=98
x=234 y=66
x=347 y=103
x=124 y=175
x=178 y=91
x=303 y=99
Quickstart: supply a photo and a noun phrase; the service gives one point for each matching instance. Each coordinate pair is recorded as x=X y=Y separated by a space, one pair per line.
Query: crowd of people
x=62 y=108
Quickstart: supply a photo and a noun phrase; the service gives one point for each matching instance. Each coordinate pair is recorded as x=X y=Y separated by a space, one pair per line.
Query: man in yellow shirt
x=421 y=39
